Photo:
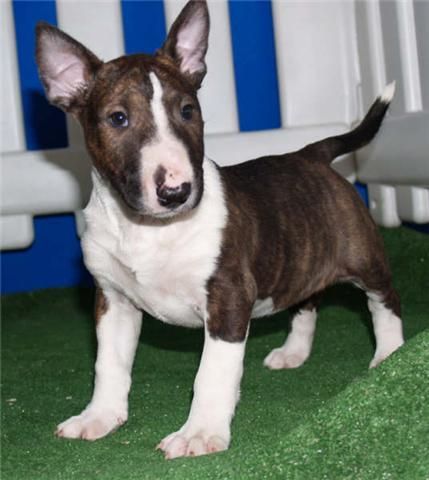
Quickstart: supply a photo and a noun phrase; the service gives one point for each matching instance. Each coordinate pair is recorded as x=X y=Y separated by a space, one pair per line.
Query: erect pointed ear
x=66 y=67
x=187 y=40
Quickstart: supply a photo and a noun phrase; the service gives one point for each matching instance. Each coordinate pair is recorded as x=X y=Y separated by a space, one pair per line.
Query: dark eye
x=118 y=119
x=186 y=111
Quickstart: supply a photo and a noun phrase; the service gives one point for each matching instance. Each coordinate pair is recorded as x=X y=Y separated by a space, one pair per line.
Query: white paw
x=376 y=361
x=278 y=359
x=178 y=444
x=382 y=354
x=91 y=424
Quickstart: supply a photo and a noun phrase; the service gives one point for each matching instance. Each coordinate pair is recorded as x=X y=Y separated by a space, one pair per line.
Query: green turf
x=330 y=419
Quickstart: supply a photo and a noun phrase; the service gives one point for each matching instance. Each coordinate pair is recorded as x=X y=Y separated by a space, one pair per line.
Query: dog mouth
x=156 y=198
x=163 y=210
x=178 y=209
x=163 y=200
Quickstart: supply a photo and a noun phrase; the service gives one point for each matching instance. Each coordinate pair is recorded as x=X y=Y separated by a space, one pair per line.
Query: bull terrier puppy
x=171 y=233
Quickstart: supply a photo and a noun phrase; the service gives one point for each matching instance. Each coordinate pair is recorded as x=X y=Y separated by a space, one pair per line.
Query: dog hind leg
x=297 y=347
x=375 y=279
x=385 y=311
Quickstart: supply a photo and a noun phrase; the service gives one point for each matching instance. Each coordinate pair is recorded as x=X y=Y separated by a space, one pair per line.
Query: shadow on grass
x=174 y=338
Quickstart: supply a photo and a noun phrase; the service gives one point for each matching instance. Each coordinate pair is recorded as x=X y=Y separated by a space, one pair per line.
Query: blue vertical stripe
x=45 y=125
x=144 y=25
x=54 y=260
x=255 y=65
x=363 y=192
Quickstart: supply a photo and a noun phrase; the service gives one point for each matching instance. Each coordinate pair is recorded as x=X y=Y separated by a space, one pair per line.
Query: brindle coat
x=238 y=242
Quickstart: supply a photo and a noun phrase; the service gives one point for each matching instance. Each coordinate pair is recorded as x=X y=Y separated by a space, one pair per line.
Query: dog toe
x=279 y=359
x=181 y=445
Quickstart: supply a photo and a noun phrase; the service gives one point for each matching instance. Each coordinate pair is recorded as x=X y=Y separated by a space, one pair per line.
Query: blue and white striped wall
x=281 y=74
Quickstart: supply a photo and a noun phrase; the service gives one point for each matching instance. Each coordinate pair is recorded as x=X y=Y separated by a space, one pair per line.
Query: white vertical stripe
x=421 y=20
x=98 y=25
x=413 y=203
x=376 y=42
x=217 y=95
x=409 y=57
x=371 y=50
x=11 y=120
x=350 y=64
x=16 y=231
x=313 y=61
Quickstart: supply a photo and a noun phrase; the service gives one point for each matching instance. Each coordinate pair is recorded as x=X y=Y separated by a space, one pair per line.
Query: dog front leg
x=118 y=325
x=216 y=393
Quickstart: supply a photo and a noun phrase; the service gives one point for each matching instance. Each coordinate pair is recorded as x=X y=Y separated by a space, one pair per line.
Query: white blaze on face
x=165 y=150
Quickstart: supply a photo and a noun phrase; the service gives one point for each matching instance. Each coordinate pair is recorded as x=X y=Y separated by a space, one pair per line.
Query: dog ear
x=66 y=67
x=187 y=40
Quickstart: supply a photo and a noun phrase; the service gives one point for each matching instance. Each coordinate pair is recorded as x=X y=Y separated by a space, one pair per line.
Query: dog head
x=140 y=113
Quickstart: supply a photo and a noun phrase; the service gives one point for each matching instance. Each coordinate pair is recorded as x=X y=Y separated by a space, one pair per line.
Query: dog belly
x=172 y=310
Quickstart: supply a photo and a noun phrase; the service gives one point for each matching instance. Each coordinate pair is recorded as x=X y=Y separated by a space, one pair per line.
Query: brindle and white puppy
x=171 y=233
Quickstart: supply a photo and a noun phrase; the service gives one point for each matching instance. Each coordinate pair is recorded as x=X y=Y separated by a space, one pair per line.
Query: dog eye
x=118 y=120
x=186 y=111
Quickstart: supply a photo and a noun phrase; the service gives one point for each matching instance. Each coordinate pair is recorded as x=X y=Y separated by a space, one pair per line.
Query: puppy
x=171 y=233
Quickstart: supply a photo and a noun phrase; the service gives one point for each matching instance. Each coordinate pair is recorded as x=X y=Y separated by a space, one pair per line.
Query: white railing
x=333 y=58
x=393 y=39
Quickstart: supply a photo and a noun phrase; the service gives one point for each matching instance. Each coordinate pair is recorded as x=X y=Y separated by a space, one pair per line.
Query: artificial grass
x=329 y=419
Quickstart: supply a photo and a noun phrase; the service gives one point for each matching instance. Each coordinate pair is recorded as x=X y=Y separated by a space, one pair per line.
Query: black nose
x=172 y=197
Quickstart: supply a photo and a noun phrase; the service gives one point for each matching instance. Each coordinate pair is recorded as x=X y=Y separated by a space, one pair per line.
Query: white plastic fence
x=393 y=41
x=333 y=58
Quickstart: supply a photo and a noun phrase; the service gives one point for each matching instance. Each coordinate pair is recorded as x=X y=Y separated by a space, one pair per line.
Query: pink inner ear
x=190 y=45
x=68 y=78
x=64 y=73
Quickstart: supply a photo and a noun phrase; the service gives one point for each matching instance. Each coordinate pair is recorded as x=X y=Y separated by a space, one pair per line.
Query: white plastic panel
x=392 y=53
x=421 y=18
x=217 y=95
x=409 y=56
x=16 y=231
x=392 y=41
x=382 y=205
x=42 y=182
x=413 y=204
x=98 y=25
x=229 y=149
x=371 y=50
x=397 y=19
x=316 y=62
x=11 y=123
x=400 y=154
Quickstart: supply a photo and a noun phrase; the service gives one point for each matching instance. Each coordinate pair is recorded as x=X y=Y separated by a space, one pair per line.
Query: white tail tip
x=388 y=92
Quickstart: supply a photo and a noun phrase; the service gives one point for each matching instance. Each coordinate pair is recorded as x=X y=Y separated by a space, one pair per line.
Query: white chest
x=162 y=268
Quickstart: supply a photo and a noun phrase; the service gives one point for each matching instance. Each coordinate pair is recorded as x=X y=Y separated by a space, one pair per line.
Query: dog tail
x=329 y=148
